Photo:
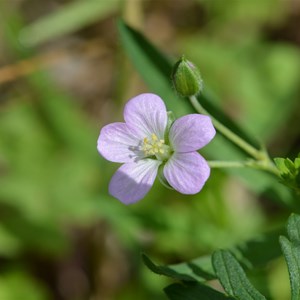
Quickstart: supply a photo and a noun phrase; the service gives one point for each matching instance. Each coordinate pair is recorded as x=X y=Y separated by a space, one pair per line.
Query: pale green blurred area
x=61 y=235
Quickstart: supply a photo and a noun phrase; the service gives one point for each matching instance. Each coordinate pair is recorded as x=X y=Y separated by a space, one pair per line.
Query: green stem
x=226 y=164
x=260 y=165
x=227 y=132
x=262 y=160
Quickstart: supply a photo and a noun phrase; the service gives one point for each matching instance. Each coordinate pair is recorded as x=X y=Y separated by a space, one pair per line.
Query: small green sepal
x=289 y=172
x=162 y=179
x=186 y=78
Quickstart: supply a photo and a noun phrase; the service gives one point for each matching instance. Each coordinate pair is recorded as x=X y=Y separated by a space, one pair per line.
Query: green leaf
x=291 y=250
x=289 y=172
x=233 y=277
x=153 y=66
x=293 y=228
x=290 y=165
x=260 y=250
x=256 y=252
x=66 y=19
x=189 y=271
x=280 y=164
x=193 y=291
x=292 y=256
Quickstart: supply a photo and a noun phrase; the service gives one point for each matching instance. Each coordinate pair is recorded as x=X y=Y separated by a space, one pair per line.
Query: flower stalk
x=261 y=158
x=254 y=164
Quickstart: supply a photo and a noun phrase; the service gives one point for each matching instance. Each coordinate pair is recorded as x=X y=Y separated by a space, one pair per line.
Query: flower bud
x=186 y=78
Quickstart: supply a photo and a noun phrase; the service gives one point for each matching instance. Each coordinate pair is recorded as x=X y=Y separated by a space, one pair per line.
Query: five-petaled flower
x=144 y=143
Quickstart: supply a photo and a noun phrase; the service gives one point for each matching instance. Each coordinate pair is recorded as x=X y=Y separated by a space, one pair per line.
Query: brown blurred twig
x=90 y=49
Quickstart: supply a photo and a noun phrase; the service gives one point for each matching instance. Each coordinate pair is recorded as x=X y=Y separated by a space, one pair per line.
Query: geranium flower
x=144 y=143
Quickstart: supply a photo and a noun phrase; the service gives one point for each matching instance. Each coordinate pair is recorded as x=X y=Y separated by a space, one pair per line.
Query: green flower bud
x=186 y=78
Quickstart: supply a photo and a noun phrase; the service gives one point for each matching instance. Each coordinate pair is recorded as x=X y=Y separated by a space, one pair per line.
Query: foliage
x=290 y=249
x=55 y=211
x=228 y=271
x=289 y=172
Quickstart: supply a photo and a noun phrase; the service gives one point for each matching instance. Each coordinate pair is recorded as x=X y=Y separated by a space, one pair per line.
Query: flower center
x=154 y=146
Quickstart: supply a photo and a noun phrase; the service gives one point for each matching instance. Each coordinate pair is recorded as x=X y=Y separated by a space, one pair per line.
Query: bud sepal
x=186 y=78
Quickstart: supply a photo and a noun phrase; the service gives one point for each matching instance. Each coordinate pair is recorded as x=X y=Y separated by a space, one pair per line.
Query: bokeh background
x=64 y=74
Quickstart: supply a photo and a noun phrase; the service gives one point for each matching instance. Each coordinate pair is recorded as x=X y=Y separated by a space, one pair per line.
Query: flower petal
x=132 y=181
x=118 y=143
x=147 y=114
x=187 y=172
x=191 y=132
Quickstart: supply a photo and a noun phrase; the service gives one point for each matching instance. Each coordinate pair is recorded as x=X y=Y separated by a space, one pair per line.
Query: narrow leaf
x=153 y=66
x=233 y=277
x=67 y=19
x=189 y=271
x=193 y=291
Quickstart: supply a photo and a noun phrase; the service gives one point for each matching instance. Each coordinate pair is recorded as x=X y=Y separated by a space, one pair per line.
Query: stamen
x=154 y=137
x=153 y=146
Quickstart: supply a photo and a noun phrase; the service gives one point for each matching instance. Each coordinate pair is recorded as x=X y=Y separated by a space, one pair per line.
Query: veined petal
x=147 y=114
x=187 y=172
x=132 y=181
x=191 y=132
x=118 y=143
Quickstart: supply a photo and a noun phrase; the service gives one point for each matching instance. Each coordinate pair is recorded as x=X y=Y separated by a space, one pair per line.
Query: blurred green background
x=64 y=74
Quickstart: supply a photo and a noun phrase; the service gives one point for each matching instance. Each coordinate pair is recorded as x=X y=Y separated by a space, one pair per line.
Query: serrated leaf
x=291 y=250
x=280 y=164
x=290 y=165
x=289 y=172
x=193 y=291
x=189 y=271
x=293 y=228
x=291 y=253
x=233 y=277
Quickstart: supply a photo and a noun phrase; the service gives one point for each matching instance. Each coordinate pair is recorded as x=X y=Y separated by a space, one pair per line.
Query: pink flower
x=144 y=143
